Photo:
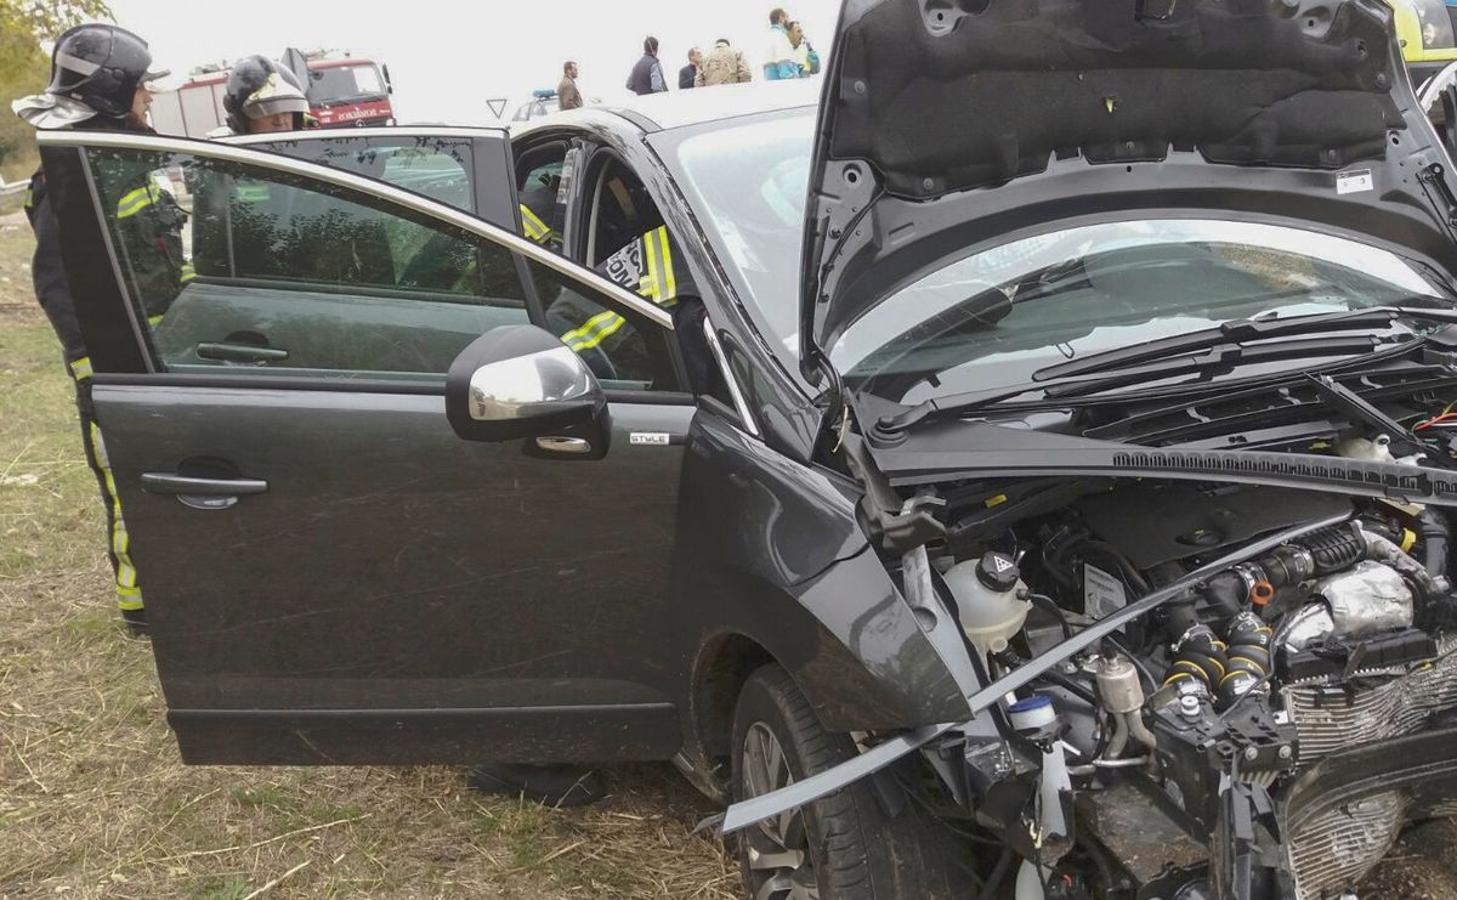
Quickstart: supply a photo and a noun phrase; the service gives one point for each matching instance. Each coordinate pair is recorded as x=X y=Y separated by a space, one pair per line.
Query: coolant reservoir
x=989 y=600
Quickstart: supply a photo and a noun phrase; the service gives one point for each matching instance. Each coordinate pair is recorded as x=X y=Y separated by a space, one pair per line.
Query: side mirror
x=389 y=85
x=519 y=381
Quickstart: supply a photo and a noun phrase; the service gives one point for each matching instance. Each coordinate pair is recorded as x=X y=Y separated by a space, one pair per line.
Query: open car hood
x=948 y=126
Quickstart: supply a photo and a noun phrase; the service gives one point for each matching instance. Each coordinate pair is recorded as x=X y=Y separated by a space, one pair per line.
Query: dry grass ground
x=93 y=799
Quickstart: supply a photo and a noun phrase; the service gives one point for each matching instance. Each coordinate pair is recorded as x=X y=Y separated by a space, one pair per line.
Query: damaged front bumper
x=1333 y=815
x=1338 y=818
x=756 y=809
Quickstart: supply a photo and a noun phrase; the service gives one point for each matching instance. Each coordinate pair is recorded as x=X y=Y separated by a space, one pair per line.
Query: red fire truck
x=343 y=90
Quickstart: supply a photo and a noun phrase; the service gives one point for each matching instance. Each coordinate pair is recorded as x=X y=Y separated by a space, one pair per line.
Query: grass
x=16 y=169
x=93 y=799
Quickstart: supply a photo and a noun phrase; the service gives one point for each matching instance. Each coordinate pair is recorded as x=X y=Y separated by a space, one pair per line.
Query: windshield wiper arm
x=1074 y=390
x=1241 y=331
x=1212 y=360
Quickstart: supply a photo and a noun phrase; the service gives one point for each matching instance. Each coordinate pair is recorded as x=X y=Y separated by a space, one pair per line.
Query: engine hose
x=1248 y=654
x=1229 y=668
x=1255 y=582
x=1198 y=655
x=1436 y=539
x=1333 y=549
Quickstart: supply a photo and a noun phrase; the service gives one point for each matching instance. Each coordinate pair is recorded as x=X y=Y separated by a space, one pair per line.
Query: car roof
x=679 y=109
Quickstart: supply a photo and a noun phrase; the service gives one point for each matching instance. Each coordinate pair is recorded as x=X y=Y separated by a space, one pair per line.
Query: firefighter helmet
x=95 y=72
x=258 y=88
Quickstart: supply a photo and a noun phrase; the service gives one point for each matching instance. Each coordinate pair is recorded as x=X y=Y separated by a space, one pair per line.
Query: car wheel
x=842 y=847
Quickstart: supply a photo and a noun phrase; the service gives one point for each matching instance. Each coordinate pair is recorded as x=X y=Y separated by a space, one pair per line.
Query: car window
x=622 y=211
x=237 y=268
x=628 y=244
x=339 y=84
x=438 y=167
x=626 y=352
x=541 y=185
x=1075 y=292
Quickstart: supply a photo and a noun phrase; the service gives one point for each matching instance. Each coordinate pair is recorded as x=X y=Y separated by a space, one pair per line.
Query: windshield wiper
x=1239 y=332
x=1361 y=350
x=1181 y=355
x=1211 y=361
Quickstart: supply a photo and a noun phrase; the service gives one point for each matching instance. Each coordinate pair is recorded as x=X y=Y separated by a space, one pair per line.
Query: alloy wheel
x=780 y=863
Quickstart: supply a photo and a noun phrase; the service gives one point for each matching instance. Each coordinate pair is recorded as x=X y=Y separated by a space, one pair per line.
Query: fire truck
x=343 y=90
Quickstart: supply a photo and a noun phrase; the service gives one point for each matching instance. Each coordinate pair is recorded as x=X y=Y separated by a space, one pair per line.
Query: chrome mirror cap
x=519 y=381
x=523 y=386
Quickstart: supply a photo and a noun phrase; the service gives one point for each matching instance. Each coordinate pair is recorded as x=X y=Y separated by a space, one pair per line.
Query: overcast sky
x=448 y=58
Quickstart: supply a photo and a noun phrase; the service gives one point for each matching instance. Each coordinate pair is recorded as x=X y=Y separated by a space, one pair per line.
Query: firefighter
x=540 y=213
x=99 y=81
x=238 y=220
x=651 y=267
x=263 y=97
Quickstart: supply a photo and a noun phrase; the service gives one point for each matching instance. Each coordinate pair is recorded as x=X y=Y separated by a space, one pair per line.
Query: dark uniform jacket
x=647 y=76
x=148 y=230
x=47 y=272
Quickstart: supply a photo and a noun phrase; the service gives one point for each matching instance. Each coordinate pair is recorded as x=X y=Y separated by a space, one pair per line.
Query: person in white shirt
x=779 y=61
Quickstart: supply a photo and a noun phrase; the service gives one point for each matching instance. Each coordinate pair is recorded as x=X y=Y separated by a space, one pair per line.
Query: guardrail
x=9 y=190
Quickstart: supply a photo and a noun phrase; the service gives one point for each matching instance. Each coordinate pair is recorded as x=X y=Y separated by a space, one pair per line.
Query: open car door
x=331 y=575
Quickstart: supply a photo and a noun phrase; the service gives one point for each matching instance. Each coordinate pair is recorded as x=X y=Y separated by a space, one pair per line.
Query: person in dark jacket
x=688 y=75
x=99 y=77
x=647 y=74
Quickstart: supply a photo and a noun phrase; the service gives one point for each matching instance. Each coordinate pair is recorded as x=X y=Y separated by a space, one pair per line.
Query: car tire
x=842 y=847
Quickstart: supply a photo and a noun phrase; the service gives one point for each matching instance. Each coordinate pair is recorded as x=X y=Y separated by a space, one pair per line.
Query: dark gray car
x=1047 y=483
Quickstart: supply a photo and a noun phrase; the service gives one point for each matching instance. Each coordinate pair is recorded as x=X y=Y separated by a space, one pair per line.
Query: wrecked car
x=1068 y=515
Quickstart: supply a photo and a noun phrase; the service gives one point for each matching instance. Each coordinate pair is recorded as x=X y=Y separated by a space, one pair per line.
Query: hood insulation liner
x=945 y=95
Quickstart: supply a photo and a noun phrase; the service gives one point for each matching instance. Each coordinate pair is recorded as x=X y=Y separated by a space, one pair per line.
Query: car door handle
x=243 y=353
x=202 y=493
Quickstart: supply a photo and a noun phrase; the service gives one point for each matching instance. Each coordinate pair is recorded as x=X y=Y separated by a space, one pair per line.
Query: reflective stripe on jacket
x=533 y=227
x=649 y=267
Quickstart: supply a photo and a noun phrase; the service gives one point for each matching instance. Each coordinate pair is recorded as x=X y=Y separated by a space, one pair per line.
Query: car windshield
x=1074 y=292
x=338 y=84
x=746 y=182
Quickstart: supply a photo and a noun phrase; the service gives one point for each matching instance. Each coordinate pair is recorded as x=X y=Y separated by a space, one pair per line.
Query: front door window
x=232 y=266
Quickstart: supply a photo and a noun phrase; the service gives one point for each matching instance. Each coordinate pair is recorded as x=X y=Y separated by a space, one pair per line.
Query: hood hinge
x=1434 y=180
x=896 y=526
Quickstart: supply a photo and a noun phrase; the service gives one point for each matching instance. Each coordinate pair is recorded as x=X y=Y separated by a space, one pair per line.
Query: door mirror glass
x=519 y=381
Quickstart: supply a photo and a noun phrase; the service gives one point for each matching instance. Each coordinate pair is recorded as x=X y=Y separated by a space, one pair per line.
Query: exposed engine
x=1249 y=678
